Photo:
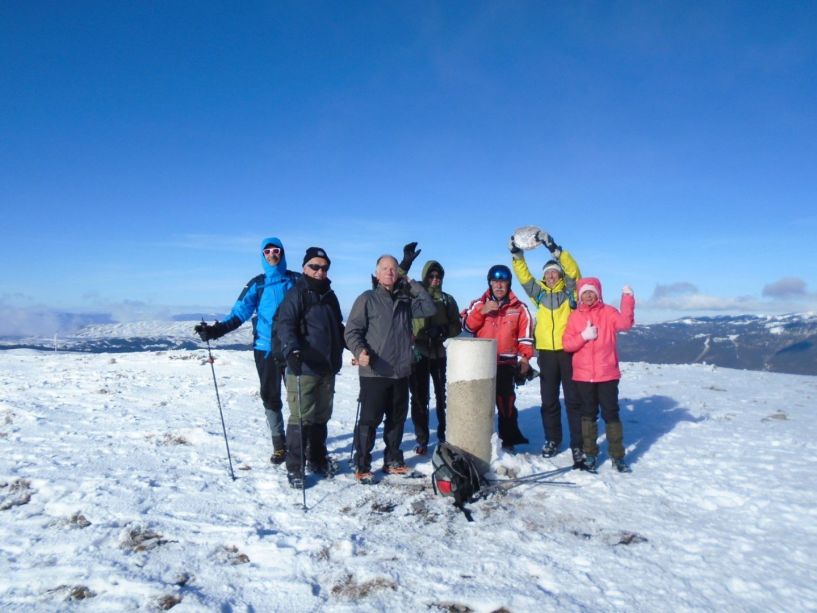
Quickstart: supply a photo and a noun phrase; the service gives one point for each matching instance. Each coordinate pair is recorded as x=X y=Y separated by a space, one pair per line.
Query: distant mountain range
x=784 y=343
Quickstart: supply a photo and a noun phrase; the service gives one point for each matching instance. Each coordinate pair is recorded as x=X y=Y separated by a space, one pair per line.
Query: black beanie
x=315 y=252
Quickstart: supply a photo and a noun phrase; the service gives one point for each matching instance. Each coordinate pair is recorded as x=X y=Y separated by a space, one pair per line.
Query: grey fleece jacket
x=380 y=322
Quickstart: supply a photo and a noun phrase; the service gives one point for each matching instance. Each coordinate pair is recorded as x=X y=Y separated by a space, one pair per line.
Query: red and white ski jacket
x=511 y=326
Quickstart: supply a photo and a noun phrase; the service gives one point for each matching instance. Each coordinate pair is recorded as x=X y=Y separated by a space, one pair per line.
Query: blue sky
x=147 y=147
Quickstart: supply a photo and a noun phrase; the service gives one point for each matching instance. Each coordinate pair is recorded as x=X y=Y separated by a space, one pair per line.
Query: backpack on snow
x=454 y=474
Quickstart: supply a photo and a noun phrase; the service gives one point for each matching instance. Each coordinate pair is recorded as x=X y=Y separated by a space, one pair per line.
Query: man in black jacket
x=310 y=329
x=429 y=355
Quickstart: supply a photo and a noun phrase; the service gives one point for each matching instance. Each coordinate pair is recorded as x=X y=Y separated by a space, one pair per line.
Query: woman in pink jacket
x=591 y=337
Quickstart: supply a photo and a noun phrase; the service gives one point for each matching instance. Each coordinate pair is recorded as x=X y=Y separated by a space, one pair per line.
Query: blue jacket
x=271 y=286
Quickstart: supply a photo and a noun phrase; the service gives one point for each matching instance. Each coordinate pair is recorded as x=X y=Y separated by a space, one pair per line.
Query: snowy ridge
x=136 y=329
x=114 y=489
x=785 y=343
x=159 y=335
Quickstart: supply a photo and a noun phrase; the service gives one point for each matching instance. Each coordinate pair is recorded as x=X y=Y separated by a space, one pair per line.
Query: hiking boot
x=550 y=449
x=396 y=469
x=328 y=468
x=421 y=449
x=589 y=462
x=578 y=457
x=364 y=478
x=296 y=481
x=278 y=456
x=621 y=466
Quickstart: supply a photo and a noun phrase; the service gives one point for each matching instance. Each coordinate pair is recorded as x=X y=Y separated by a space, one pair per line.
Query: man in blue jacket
x=260 y=300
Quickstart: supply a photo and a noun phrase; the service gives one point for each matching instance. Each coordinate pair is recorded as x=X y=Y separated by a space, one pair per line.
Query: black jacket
x=310 y=321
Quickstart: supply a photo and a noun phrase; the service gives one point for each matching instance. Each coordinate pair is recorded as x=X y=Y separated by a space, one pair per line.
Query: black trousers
x=381 y=397
x=603 y=394
x=271 y=376
x=420 y=394
x=507 y=418
x=556 y=368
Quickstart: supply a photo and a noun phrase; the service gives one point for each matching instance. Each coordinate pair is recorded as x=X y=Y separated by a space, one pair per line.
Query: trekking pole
x=303 y=446
x=218 y=400
x=354 y=433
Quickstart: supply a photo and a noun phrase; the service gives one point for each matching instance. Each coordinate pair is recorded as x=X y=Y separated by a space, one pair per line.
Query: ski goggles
x=500 y=275
x=273 y=251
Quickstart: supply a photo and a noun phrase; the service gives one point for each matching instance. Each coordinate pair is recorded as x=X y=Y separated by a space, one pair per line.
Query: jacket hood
x=583 y=283
x=281 y=267
x=428 y=267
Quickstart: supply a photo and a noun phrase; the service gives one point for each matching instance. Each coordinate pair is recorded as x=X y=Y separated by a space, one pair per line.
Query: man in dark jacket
x=310 y=329
x=429 y=355
x=260 y=300
x=379 y=335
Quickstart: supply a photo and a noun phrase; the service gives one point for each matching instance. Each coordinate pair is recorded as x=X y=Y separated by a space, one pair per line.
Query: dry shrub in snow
x=348 y=588
x=630 y=538
x=15 y=495
x=168 y=601
x=232 y=555
x=451 y=607
x=78 y=520
x=76 y=592
x=80 y=592
x=168 y=440
x=138 y=538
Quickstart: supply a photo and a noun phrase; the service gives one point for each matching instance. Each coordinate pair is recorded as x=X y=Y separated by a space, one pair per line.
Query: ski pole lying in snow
x=218 y=400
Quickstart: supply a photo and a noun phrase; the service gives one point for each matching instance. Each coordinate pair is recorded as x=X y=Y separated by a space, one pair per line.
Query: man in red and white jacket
x=499 y=314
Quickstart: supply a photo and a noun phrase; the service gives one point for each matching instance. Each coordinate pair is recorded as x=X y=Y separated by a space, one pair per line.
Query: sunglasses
x=434 y=275
x=317 y=267
x=273 y=251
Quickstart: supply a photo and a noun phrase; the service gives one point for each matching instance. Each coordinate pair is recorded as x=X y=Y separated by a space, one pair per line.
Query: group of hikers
x=396 y=332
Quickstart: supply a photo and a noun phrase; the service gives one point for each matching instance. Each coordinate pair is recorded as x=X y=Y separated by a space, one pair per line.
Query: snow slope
x=115 y=494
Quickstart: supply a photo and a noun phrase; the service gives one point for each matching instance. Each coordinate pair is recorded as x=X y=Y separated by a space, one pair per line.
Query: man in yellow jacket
x=555 y=297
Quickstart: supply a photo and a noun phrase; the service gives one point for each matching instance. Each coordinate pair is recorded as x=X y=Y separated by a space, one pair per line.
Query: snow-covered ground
x=115 y=494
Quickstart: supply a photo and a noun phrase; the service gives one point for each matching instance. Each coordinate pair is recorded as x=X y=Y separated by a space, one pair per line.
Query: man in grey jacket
x=379 y=335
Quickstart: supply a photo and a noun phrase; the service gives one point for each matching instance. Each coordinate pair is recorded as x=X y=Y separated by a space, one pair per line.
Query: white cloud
x=685 y=299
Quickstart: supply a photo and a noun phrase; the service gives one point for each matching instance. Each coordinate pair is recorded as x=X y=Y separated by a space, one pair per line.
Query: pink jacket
x=596 y=361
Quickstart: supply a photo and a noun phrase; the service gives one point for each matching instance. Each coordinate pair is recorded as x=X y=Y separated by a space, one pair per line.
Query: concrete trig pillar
x=471 y=394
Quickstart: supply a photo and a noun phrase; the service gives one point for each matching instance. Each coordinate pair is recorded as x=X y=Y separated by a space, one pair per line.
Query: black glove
x=403 y=287
x=208 y=332
x=410 y=253
x=294 y=363
x=512 y=247
x=547 y=240
x=521 y=379
x=436 y=332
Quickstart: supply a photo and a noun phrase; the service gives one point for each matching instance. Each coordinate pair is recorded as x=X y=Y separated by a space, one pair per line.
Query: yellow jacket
x=553 y=306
